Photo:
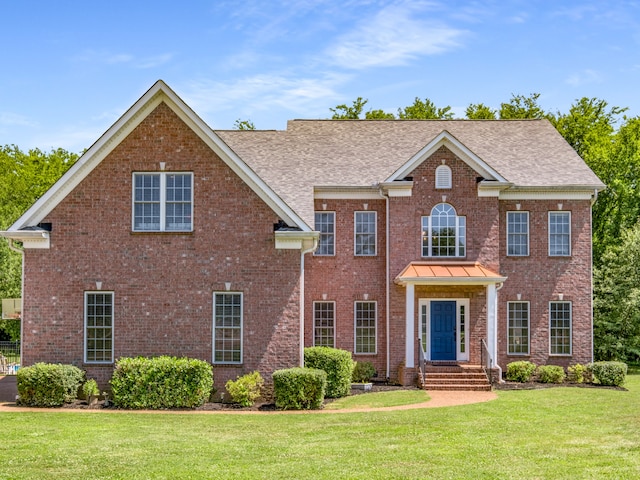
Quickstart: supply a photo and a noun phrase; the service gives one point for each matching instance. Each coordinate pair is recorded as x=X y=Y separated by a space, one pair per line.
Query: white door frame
x=424 y=325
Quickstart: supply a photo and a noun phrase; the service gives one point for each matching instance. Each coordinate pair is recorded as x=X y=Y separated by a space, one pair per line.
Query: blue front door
x=443 y=330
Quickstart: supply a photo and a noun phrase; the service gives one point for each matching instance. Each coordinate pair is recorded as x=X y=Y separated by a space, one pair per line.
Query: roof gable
x=157 y=94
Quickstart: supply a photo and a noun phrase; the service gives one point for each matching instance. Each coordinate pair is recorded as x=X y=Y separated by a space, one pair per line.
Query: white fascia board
x=157 y=94
x=459 y=149
x=296 y=240
x=397 y=189
x=577 y=192
x=36 y=239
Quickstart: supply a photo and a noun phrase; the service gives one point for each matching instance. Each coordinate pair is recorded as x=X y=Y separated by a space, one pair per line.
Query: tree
x=379 y=115
x=24 y=177
x=522 y=107
x=479 y=111
x=617 y=300
x=424 y=110
x=344 y=112
x=244 y=125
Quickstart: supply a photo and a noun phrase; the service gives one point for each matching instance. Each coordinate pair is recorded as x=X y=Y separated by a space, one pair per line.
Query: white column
x=410 y=337
x=492 y=321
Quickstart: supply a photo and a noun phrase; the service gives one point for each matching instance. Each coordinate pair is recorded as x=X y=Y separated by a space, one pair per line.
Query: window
x=518 y=328
x=559 y=234
x=443 y=177
x=162 y=202
x=365 y=327
x=518 y=233
x=365 y=233
x=227 y=328
x=560 y=328
x=98 y=322
x=323 y=324
x=443 y=233
x=326 y=224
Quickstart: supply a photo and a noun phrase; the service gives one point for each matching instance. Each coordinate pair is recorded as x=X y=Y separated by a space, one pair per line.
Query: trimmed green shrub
x=551 y=374
x=161 y=382
x=48 y=384
x=299 y=388
x=363 y=372
x=90 y=388
x=338 y=366
x=520 y=371
x=608 y=373
x=577 y=373
x=246 y=389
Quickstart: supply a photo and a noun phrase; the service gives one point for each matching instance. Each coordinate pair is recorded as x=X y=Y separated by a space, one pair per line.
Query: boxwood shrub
x=161 y=382
x=245 y=390
x=48 y=384
x=336 y=363
x=520 y=371
x=608 y=373
x=299 y=388
x=363 y=372
x=551 y=374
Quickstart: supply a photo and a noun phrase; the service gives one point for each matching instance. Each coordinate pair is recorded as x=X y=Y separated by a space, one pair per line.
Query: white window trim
x=163 y=201
x=375 y=233
x=430 y=237
x=426 y=302
x=213 y=333
x=549 y=232
x=570 y=329
x=520 y=354
x=355 y=327
x=314 y=320
x=335 y=228
x=113 y=303
x=443 y=181
x=528 y=234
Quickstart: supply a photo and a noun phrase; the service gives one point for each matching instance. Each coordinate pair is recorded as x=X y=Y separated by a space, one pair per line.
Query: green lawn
x=571 y=433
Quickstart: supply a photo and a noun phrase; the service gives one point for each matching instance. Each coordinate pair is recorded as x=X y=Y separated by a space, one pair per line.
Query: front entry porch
x=440 y=376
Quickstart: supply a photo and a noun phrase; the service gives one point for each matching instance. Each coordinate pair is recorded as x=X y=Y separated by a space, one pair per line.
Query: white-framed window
x=326 y=225
x=365 y=327
x=560 y=328
x=227 y=327
x=444 y=233
x=162 y=202
x=98 y=327
x=443 y=177
x=518 y=234
x=559 y=234
x=324 y=324
x=365 y=227
x=518 y=328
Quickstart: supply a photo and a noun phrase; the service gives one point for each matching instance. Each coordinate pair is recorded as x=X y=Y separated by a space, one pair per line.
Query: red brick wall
x=163 y=283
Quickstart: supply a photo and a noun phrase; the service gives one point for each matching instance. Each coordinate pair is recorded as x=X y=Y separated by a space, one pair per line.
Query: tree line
x=602 y=135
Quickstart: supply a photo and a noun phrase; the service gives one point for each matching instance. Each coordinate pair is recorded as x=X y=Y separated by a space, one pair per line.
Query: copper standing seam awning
x=448 y=273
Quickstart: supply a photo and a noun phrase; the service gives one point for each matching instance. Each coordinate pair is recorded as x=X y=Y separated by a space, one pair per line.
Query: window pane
x=365 y=233
x=324 y=324
x=518 y=233
x=560 y=328
x=559 y=233
x=518 y=328
x=325 y=224
x=178 y=199
x=99 y=327
x=227 y=328
x=365 y=327
x=443 y=233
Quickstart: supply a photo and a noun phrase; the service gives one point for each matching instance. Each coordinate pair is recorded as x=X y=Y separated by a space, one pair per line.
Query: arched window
x=444 y=233
x=443 y=177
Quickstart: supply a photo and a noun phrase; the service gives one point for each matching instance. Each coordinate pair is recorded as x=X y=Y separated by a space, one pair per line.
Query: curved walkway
x=437 y=399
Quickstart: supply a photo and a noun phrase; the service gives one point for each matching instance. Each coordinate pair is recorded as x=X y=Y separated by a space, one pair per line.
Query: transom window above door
x=444 y=233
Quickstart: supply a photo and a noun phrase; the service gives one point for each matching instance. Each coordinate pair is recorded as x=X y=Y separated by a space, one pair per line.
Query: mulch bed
x=540 y=386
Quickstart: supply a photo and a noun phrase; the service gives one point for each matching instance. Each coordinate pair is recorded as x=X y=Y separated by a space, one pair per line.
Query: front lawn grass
x=558 y=433
x=391 y=398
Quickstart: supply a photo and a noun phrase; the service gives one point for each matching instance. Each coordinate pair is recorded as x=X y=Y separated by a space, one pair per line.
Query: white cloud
x=393 y=37
x=108 y=58
x=12 y=119
x=584 y=77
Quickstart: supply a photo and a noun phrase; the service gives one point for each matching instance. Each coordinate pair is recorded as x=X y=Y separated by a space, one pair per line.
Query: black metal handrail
x=422 y=363
x=486 y=360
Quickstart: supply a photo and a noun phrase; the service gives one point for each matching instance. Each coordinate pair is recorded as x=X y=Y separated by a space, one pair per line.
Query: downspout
x=498 y=288
x=302 y=302
x=21 y=252
x=593 y=201
x=387 y=292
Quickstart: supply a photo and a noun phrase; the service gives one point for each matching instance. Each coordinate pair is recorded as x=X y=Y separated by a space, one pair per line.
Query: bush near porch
x=338 y=365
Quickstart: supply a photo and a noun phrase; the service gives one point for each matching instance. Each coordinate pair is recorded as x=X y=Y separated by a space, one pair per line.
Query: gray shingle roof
x=528 y=153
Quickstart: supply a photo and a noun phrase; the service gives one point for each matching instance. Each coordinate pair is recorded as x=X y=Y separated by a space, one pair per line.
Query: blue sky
x=71 y=68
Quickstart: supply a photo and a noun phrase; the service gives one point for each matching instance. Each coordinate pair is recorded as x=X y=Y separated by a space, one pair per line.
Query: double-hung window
x=98 y=327
x=518 y=328
x=365 y=327
x=324 y=324
x=227 y=327
x=162 y=202
x=559 y=234
x=518 y=234
x=365 y=233
x=560 y=328
x=326 y=225
x=444 y=233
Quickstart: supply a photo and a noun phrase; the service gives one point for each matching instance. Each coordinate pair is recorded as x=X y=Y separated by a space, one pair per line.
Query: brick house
x=401 y=241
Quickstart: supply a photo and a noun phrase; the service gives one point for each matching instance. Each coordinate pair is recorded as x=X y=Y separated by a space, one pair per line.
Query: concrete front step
x=455 y=377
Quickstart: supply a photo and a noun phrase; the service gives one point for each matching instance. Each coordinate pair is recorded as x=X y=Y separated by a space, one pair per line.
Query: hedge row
x=602 y=373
